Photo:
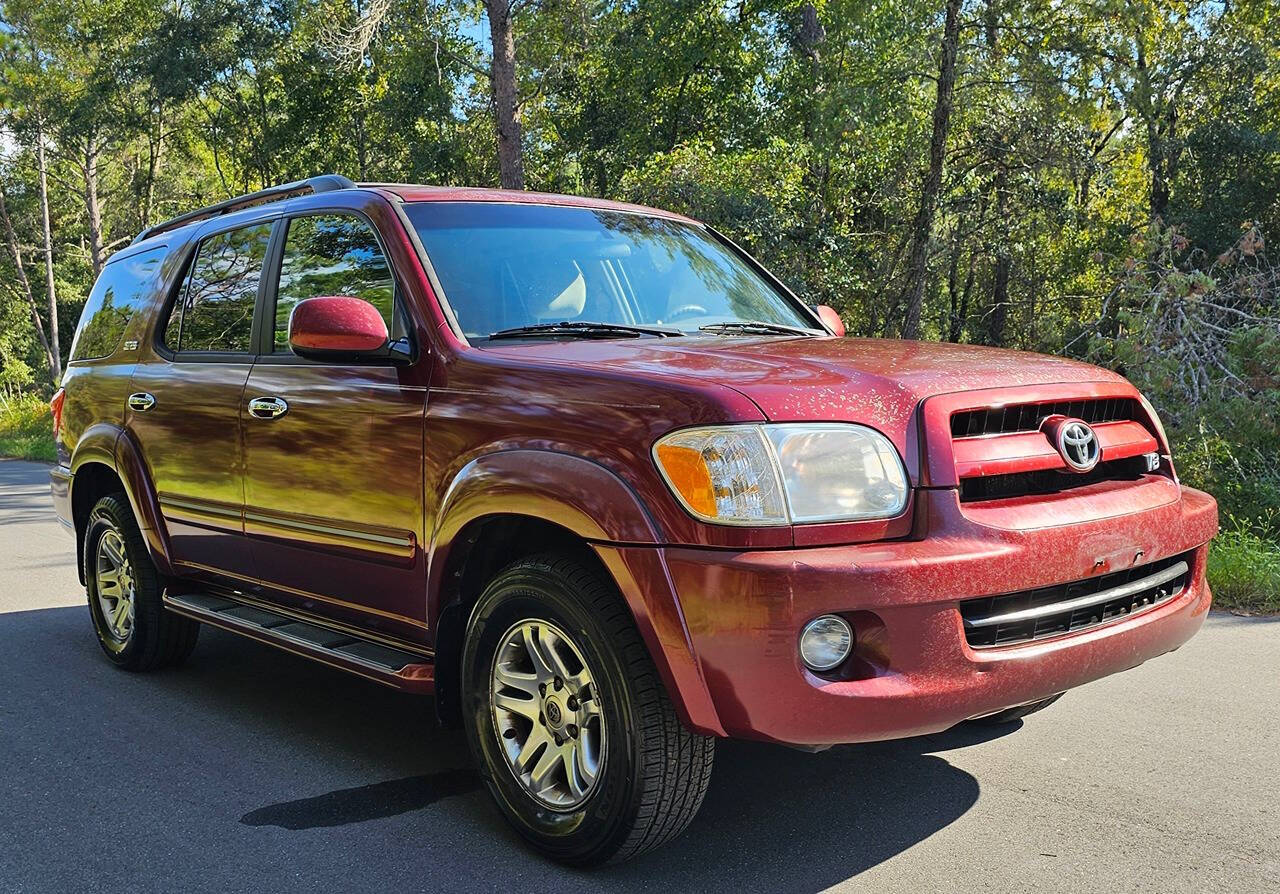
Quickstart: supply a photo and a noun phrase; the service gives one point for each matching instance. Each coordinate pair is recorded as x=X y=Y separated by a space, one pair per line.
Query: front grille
x=1048 y=481
x=1066 y=608
x=1027 y=417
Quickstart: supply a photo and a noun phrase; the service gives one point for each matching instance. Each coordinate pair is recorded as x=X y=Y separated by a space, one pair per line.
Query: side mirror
x=832 y=319
x=338 y=327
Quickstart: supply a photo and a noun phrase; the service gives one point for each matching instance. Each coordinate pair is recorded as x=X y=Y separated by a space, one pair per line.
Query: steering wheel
x=686 y=310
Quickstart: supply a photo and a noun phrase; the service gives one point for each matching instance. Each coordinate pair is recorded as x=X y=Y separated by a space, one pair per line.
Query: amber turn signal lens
x=55 y=410
x=688 y=474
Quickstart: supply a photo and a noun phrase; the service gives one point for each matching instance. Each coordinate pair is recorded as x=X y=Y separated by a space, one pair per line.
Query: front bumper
x=913 y=672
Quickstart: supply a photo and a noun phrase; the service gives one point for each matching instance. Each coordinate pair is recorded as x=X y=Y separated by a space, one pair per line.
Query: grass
x=26 y=429
x=1244 y=568
x=1244 y=571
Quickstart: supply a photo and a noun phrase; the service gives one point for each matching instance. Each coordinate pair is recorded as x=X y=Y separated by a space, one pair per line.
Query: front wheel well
x=92 y=482
x=480 y=550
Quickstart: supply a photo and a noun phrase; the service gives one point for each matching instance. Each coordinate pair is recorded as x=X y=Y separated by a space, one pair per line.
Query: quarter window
x=216 y=306
x=120 y=289
x=331 y=255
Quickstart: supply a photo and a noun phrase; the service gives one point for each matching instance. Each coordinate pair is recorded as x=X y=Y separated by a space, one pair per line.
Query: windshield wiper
x=586 y=329
x=755 y=327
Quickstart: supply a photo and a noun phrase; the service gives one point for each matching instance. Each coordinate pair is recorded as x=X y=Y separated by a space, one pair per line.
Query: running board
x=373 y=661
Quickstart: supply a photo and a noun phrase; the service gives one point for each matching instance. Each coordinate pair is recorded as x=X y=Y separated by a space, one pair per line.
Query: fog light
x=825 y=642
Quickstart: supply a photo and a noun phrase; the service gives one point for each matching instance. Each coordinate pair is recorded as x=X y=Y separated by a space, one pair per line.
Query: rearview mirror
x=338 y=327
x=832 y=319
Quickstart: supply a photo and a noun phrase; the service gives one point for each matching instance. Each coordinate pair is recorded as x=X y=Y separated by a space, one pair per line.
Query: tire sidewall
x=527 y=593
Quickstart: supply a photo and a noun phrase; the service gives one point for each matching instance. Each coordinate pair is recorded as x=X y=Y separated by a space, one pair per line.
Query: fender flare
x=112 y=446
x=590 y=501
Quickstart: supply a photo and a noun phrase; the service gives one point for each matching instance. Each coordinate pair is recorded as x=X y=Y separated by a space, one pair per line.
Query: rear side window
x=122 y=287
x=215 y=308
x=334 y=254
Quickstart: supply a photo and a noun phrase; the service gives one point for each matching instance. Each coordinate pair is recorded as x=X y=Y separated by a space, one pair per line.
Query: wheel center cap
x=555 y=716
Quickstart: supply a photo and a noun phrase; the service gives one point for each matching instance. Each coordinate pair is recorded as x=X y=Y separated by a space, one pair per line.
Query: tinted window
x=216 y=313
x=331 y=255
x=121 y=288
x=504 y=266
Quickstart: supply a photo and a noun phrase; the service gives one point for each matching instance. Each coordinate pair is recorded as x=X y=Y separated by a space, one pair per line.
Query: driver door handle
x=267 y=408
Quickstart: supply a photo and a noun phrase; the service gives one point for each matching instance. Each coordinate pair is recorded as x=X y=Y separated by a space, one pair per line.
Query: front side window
x=506 y=266
x=215 y=312
x=335 y=254
x=121 y=288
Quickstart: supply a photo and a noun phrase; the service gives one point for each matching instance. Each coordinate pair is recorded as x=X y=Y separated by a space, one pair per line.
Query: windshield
x=505 y=266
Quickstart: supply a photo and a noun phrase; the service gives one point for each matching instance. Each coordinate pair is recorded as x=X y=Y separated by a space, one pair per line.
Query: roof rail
x=323 y=183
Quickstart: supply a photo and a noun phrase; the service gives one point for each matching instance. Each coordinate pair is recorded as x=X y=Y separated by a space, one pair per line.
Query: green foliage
x=1101 y=158
x=26 y=429
x=1231 y=454
x=1244 y=570
x=1201 y=338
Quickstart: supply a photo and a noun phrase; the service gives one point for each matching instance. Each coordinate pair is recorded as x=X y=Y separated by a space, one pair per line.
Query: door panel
x=185 y=399
x=333 y=493
x=190 y=438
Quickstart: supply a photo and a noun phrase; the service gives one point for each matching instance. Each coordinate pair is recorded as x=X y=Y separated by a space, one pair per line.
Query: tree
x=26 y=292
x=1151 y=55
x=922 y=225
x=26 y=70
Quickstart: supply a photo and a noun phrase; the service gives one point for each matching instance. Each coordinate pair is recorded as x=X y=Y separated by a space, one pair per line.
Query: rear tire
x=1009 y=715
x=125 y=594
x=622 y=773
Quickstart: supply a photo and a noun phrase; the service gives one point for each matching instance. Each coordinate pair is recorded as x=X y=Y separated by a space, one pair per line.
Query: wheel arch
x=107 y=461
x=506 y=506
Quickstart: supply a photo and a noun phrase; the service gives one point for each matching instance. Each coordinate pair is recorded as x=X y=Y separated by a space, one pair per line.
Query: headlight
x=1155 y=419
x=786 y=473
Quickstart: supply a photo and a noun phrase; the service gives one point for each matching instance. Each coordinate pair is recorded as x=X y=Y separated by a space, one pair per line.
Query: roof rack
x=323 y=183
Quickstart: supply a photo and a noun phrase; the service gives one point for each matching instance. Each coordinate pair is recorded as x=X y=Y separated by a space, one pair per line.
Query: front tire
x=573 y=730
x=125 y=594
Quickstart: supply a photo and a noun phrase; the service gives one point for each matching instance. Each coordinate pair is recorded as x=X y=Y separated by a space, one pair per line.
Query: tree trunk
x=922 y=226
x=16 y=253
x=998 y=317
x=362 y=151
x=962 y=317
x=92 y=209
x=1162 y=158
x=55 y=353
x=155 y=150
x=953 y=289
x=506 y=103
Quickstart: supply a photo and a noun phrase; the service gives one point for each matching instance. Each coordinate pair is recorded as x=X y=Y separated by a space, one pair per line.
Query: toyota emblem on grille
x=1078 y=445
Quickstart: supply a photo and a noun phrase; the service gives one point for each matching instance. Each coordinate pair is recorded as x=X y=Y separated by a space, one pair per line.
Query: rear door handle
x=267 y=408
x=141 y=401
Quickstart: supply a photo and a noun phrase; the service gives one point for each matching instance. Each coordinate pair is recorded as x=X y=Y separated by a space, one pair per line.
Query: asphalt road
x=249 y=770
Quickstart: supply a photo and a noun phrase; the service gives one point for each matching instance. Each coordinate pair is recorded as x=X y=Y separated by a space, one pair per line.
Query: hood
x=878 y=382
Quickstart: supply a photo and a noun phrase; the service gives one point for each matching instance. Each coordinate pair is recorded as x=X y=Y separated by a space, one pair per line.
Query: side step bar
x=373 y=661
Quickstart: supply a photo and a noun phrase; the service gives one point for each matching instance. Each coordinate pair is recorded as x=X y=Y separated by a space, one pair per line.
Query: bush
x=1200 y=337
x=1244 y=570
x=26 y=429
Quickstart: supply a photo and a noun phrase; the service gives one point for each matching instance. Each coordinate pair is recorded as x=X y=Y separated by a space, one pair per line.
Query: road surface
x=250 y=770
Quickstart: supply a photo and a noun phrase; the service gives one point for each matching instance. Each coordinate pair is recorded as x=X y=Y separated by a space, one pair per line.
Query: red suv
x=600 y=482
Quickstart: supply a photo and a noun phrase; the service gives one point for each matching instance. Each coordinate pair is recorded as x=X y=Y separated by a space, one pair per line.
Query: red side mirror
x=336 y=326
x=829 y=316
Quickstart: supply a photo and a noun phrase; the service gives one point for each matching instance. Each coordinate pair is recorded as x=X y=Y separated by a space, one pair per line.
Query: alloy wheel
x=114 y=586
x=547 y=714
